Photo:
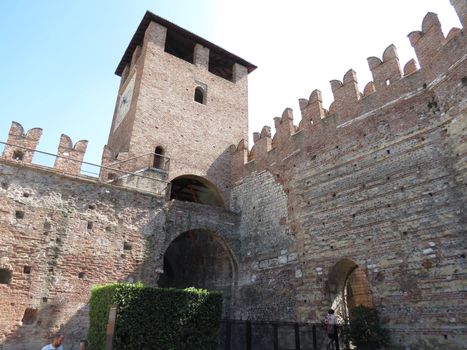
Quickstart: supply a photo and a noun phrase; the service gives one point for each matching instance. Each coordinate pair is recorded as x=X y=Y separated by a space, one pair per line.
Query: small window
x=199 y=95
x=5 y=276
x=158 y=157
x=18 y=155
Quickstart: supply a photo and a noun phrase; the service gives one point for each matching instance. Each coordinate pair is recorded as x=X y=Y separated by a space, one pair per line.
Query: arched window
x=199 y=95
x=158 y=158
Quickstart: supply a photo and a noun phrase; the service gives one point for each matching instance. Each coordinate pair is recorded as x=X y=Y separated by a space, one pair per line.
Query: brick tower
x=180 y=96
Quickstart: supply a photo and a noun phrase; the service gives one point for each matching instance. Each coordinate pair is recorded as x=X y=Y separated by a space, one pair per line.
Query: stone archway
x=200 y=258
x=191 y=188
x=348 y=287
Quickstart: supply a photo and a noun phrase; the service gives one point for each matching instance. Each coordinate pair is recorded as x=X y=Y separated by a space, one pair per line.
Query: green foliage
x=155 y=318
x=364 y=329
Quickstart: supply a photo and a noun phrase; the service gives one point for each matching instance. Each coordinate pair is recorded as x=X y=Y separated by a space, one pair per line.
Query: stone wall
x=59 y=236
x=368 y=194
x=268 y=260
x=377 y=182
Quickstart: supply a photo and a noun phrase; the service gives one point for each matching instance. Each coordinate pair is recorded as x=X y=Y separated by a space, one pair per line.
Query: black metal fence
x=270 y=335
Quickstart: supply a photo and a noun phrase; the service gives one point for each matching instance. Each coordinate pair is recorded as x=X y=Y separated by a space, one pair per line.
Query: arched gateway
x=200 y=258
x=348 y=287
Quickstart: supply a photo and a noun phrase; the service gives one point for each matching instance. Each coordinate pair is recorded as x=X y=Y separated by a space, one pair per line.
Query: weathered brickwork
x=267 y=256
x=163 y=113
x=359 y=204
x=72 y=234
x=378 y=182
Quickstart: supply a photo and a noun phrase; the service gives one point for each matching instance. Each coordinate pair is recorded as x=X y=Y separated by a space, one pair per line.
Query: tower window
x=158 y=158
x=199 y=95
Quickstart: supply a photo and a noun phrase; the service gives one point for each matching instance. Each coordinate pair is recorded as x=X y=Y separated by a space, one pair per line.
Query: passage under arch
x=190 y=188
x=200 y=258
x=349 y=287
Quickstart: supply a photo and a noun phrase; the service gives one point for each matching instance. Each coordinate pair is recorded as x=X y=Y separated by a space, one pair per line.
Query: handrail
x=141 y=156
x=83 y=162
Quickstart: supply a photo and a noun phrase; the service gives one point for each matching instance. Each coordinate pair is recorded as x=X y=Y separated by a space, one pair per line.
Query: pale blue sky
x=58 y=57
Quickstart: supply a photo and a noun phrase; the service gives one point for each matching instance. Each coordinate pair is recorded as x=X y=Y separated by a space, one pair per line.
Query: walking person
x=329 y=326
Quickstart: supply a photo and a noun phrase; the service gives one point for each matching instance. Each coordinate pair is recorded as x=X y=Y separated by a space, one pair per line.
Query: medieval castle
x=361 y=204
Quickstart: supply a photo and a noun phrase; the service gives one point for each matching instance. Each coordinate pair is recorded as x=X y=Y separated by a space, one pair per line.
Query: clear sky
x=58 y=57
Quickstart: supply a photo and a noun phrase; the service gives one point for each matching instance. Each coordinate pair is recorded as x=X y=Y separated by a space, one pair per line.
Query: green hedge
x=155 y=318
x=364 y=329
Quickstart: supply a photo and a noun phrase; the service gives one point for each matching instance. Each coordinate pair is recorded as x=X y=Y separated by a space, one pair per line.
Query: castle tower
x=182 y=97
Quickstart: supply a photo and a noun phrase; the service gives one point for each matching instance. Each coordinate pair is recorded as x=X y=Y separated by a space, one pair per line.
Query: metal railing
x=145 y=161
x=85 y=168
x=276 y=335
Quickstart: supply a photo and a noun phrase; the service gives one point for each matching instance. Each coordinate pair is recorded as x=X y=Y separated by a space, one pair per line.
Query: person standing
x=56 y=343
x=329 y=324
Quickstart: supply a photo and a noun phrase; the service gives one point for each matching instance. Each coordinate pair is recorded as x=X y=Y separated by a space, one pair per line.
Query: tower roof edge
x=149 y=17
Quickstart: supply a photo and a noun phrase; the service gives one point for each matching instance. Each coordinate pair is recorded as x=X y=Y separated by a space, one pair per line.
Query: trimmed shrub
x=364 y=329
x=155 y=318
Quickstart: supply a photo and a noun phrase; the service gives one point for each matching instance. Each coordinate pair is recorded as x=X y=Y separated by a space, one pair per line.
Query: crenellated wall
x=20 y=147
x=376 y=184
x=391 y=84
x=368 y=195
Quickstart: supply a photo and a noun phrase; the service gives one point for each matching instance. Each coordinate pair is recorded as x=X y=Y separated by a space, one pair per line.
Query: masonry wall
x=59 y=236
x=377 y=182
x=268 y=260
x=196 y=136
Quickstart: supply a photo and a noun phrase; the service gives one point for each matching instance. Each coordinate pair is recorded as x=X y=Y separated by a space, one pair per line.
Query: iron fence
x=276 y=335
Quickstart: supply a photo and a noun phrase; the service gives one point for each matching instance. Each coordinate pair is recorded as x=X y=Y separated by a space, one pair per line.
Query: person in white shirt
x=56 y=343
x=329 y=322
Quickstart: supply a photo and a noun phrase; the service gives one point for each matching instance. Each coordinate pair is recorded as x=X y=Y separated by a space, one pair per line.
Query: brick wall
x=59 y=236
x=377 y=182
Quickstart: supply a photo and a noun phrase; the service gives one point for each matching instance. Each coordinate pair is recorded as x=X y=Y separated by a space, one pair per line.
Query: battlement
x=117 y=169
x=319 y=128
x=20 y=147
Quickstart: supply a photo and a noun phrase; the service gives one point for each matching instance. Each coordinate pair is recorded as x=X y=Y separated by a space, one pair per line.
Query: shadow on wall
x=66 y=310
x=63 y=315
x=221 y=169
x=30 y=333
x=67 y=313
